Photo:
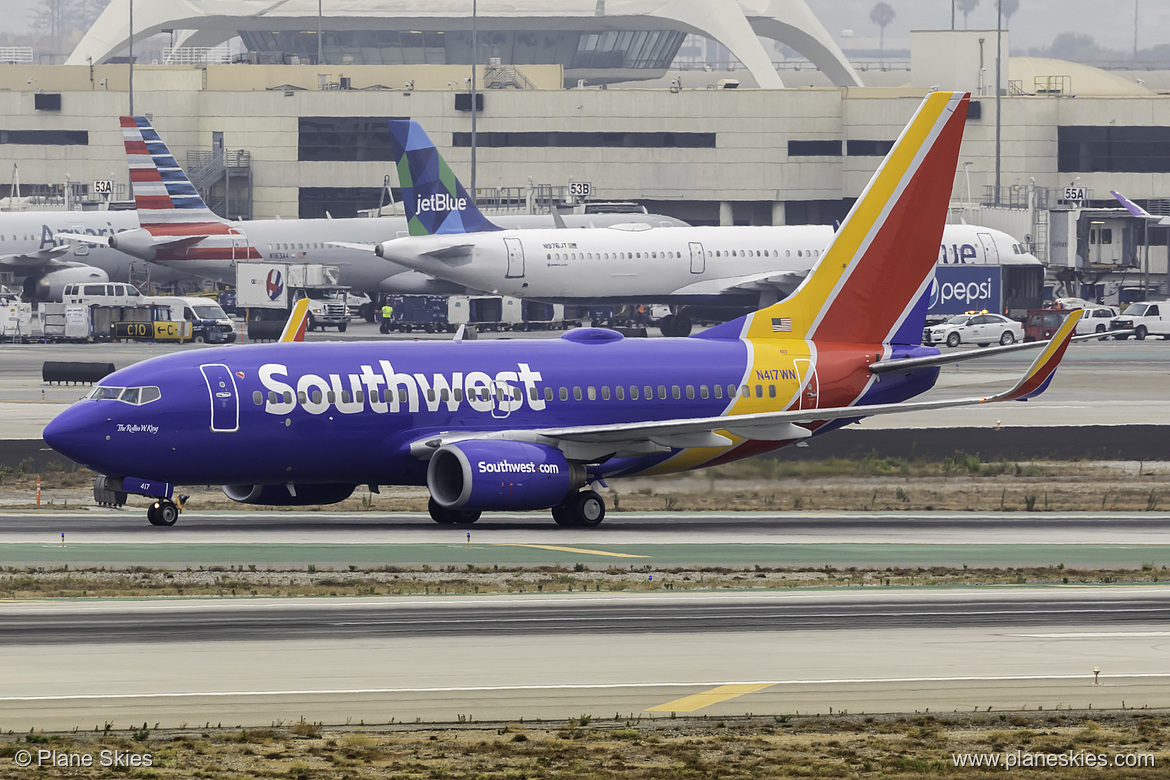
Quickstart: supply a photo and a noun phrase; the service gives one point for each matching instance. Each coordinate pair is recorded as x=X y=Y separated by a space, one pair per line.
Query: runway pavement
x=337 y=540
x=493 y=658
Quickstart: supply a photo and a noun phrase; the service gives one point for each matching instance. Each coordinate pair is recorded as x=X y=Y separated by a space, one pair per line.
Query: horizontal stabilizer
x=43 y=257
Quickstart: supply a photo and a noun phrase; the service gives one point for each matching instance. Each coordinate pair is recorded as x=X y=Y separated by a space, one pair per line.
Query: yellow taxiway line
x=575 y=550
x=707 y=698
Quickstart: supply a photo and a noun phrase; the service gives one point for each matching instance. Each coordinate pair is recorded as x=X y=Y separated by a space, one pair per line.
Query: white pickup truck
x=1149 y=318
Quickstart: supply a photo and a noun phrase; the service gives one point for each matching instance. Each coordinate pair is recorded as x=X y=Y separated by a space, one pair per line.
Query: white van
x=102 y=294
x=1148 y=318
x=209 y=322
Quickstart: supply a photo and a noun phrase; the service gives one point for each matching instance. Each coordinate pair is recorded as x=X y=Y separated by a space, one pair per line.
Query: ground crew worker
x=387 y=313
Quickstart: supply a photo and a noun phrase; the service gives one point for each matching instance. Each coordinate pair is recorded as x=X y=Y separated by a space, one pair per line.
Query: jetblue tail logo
x=440 y=201
x=435 y=201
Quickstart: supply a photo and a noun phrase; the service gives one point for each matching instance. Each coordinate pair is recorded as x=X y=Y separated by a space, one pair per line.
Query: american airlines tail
x=872 y=283
x=162 y=191
x=435 y=201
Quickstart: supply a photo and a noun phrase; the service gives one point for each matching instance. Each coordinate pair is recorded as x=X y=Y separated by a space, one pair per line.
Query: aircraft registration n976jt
x=524 y=424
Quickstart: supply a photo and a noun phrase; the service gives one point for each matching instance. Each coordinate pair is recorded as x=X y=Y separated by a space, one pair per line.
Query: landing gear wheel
x=444 y=516
x=163 y=512
x=439 y=514
x=562 y=515
x=952 y=339
x=1007 y=338
x=583 y=510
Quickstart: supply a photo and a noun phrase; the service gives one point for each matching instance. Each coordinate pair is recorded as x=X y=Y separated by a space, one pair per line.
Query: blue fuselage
x=350 y=412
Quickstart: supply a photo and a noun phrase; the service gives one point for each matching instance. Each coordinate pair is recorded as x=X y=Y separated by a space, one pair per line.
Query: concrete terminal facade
x=747 y=156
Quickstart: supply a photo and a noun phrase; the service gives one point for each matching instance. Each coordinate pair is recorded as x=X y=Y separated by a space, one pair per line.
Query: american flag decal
x=781 y=324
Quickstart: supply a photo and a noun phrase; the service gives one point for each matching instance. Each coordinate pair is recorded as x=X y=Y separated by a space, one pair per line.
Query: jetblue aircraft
x=538 y=424
x=178 y=230
x=739 y=267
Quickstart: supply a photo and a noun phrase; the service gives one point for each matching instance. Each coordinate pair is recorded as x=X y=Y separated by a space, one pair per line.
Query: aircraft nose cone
x=70 y=434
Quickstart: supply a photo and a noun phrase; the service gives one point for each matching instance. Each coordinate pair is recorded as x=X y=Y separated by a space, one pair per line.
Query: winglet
x=1131 y=207
x=1036 y=380
x=294 y=329
x=434 y=200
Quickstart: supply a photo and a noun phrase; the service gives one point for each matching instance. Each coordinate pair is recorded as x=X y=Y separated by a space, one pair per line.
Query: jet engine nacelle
x=501 y=475
x=282 y=495
x=136 y=243
x=50 y=286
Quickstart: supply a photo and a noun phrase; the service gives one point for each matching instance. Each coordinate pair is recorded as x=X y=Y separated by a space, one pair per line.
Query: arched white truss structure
x=736 y=24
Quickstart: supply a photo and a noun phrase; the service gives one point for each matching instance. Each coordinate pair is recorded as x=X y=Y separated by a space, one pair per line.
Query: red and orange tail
x=298 y=319
x=870 y=284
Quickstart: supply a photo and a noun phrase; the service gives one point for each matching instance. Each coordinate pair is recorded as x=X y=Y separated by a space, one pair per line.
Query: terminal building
x=280 y=132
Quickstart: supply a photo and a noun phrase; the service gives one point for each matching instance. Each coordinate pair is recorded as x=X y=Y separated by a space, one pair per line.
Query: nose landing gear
x=165 y=511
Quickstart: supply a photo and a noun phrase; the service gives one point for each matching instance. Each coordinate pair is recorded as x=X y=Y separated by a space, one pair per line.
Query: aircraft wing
x=36 y=259
x=784 y=281
x=349 y=245
x=160 y=242
x=585 y=442
x=906 y=364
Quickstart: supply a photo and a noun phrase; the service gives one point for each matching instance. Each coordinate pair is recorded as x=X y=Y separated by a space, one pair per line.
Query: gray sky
x=1036 y=23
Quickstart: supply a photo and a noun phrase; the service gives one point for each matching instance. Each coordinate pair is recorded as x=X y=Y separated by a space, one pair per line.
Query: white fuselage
x=681 y=265
x=311 y=241
x=25 y=237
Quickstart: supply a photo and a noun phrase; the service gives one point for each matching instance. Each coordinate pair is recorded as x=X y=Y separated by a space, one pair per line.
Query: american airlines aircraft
x=727 y=267
x=33 y=248
x=537 y=424
x=178 y=230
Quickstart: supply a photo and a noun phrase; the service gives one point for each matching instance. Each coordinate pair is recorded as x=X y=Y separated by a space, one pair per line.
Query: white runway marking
x=577 y=687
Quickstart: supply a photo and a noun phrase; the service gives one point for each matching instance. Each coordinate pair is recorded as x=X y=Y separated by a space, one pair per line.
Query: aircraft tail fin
x=872 y=282
x=298 y=319
x=1132 y=207
x=162 y=192
x=434 y=200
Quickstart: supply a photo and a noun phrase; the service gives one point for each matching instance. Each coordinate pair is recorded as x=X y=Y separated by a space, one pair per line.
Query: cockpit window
x=136 y=396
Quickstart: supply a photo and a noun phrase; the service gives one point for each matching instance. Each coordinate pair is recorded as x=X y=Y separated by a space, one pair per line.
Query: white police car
x=980 y=328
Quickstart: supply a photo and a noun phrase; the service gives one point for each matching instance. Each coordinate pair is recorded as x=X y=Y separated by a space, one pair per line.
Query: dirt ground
x=1059 y=744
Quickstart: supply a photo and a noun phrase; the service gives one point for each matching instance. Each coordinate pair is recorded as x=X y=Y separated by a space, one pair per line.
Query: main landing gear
x=444 y=516
x=582 y=510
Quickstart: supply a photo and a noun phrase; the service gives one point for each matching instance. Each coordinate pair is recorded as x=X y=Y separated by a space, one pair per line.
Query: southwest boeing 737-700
x=539 y=424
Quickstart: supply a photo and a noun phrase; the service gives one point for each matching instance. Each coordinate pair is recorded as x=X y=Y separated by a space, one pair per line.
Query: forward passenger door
x=698 y=258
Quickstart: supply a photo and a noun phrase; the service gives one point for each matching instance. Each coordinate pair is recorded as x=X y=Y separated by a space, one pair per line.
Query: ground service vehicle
x=209 y=322
x=268 y=291
x=1149 y=318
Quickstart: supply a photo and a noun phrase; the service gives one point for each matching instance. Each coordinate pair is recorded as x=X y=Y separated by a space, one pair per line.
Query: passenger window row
x=605 y=393
x=669 y=255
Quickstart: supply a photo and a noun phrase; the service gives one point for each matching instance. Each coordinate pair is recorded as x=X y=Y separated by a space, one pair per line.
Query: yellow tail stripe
x=810 y=297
